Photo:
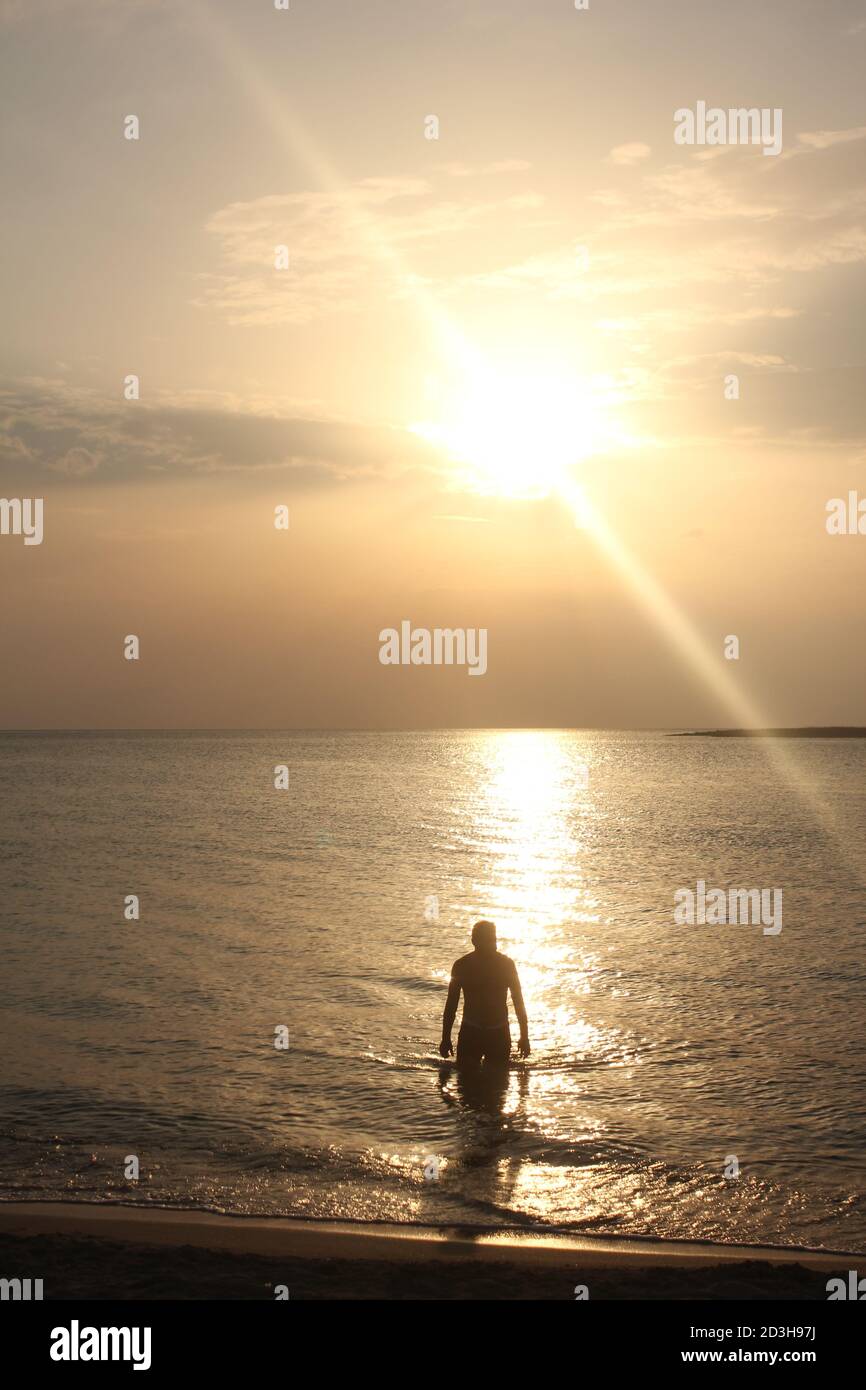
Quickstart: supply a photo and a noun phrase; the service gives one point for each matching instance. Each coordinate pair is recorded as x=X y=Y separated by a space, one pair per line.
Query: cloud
x=51 y=432
x=629 y=154
x=824 y=139
x=457 y=170
x=77 y=462
x=707 y=365
x=709 y=226
x=344 y=247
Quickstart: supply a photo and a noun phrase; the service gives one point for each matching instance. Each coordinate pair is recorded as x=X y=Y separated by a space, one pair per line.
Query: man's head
x=484 y=936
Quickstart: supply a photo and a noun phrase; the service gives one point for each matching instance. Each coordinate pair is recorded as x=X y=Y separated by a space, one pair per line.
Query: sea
x=225 y=957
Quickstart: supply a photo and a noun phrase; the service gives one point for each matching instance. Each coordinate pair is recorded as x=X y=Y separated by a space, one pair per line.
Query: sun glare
x=518 y=433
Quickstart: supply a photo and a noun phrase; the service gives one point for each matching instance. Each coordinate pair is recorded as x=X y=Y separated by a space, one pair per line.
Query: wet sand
x=98 y=1252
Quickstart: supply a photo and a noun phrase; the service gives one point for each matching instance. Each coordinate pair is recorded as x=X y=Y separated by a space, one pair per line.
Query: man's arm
x=445 y=1048
x=520 y=1009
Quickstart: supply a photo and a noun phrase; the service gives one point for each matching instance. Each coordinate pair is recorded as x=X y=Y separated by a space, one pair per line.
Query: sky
x=490 y=377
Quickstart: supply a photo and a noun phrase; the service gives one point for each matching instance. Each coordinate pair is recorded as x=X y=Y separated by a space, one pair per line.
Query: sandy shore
x=88 y=1251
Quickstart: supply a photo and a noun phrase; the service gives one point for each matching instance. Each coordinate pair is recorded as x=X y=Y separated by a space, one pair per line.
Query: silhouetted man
x=485 y=977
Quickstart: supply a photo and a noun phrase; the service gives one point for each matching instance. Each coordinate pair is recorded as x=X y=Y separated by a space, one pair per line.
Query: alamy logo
x=739 y=906
x=22 y=516
x=856 y=1288
x=444 y=646
x=20 y=1290
x=846 y=519
x=77 y=1343
x=737 y=126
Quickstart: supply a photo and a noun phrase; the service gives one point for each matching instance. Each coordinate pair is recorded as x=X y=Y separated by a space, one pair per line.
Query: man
x=485 y=977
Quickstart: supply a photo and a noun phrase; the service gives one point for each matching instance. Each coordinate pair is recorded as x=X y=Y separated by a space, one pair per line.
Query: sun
x=519 y=432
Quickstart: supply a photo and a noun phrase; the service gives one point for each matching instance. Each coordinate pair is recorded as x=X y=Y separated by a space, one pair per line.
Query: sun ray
x=570 y=422
x=683 y=637
x=370 y=231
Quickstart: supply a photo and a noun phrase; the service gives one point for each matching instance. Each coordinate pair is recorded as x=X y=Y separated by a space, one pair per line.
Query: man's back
x=485 y=978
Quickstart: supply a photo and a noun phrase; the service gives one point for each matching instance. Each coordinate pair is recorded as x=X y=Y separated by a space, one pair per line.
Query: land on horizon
x=819 y=731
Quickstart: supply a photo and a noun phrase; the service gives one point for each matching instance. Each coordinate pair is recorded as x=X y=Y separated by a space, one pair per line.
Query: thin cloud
x=629 y=154
x=343 y=247
x=824 y=139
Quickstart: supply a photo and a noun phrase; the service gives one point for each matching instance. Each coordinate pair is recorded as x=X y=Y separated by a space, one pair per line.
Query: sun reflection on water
x=526 y=828
x=533 y=804
x=533 y=792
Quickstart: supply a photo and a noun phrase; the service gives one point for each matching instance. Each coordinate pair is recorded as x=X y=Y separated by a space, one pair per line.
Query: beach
x=84 y=1251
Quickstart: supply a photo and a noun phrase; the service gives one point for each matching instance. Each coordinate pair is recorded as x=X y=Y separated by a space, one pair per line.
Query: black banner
x=157 y=1339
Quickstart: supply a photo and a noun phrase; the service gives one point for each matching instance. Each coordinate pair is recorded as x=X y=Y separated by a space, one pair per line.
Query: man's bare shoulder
x=457 y=967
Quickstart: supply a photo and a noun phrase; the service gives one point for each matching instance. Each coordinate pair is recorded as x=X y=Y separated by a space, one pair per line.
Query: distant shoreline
x=838 y=731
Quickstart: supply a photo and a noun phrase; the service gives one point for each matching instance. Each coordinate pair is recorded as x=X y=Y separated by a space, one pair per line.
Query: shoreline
x=85 y=1250
x=821 y=731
